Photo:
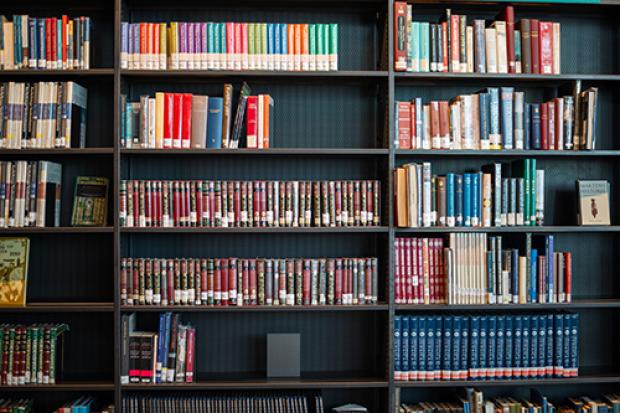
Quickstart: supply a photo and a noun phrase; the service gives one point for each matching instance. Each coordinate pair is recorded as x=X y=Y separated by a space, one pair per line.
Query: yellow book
x=13 y=271
x=159 y=120
x=163 y=41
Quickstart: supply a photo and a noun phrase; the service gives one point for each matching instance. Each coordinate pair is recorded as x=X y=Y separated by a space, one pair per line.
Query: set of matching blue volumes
x=61 y=43
x=85 y=404
x=229 y=46
x=484 y=347
x=498 y=195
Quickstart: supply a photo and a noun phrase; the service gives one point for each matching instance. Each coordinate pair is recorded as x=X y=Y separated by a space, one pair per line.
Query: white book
x=490 y=37
x=500 y=44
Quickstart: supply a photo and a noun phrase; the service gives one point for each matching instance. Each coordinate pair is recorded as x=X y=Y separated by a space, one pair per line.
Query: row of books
x=43 y=115
x=473 y=400
x=479 y=347
x=30 y=354
x=165 y=356
x=155 y=203
x=454 y=46
x=85 y=404
x=30 y=193
x=499 y=118
x=45 y=43
x=264 y=402
x=492 y=197
x=242 y=281
x=16 y=406
x=229 y=46
x=477 y=269
x=187 y=121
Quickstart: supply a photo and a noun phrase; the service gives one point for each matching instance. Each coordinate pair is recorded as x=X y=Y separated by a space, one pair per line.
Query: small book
x=349 y=408
x=593 y=208
x=90 y=201
x=13 y=271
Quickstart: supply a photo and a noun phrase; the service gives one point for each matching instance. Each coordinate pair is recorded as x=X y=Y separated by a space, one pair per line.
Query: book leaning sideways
x=13 y=271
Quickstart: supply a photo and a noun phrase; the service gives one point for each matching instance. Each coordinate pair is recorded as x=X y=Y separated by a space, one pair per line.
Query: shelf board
x=64 y=386
x=447 y=153
x=363 y=74
x=585 y=379
x=64 y=307
x=57 y=73
x=410 y=77
x=575 y=305
x=520 y=229
x=59 y=152
x=255 y=308
x=263 y=384
x=56 y=230
x=260 y=152
x=254 y=230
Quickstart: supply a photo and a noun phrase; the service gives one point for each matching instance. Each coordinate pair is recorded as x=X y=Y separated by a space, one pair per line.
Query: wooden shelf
x=254 y=230
x=446 y=153
x=263 y=384
x=64 y=307
x=57 y=230
x=259 y=152
x=69 y=386
x=575 y=305
x=256 y=308
x=520 y=229
x=57 y=73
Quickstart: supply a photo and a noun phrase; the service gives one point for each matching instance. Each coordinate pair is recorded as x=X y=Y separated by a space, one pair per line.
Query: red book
x=217 y=282
x=444 y=124
x=444 y=45
x=224 y=281
x=263 y=202
x=230 y=44
x=54 y=25
x=509 y=17
x=237 y=202
x=419 y=268
x=136 y=280
x=204 y=285
x=455 y=51
x=544 y=125
x=400 y=36
x=154 y=29
x=397 y=257
x=143 y=44
x=307 y=284
x=252 y=122
x=199 y=203
x=48 y=42
x=176 y=198
x=149 y=44
x=407 y=271
x=338 y=282
x=177 y=114
x=186 y=122
x=568 y=276
x=168 y=119
x=404 y=124
x=244 y=43
x=65 y=22
x=545 y=33
x=551 y=129
x=136 y=204
x=238 y=44
x=368 y=287
x=148 y=202
x=190 y=352
x=232 y=281
x=187 y=207
x=535 y=45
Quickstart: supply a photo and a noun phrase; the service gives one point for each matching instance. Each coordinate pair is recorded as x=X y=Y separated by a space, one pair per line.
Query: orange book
x=400 y=192
x=297 y=49
x=143 y=47
x=149 y=45
x=291 y=46
x=65 y=27
x=267 y=119
x=305 y=46
x=155 y=47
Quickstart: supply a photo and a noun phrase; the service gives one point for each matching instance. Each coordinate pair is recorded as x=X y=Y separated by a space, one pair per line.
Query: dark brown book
x=535 y=45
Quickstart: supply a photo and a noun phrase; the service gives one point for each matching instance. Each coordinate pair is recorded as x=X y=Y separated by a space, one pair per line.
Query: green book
x=90 y=201
x=320 y=46
x=415 y=46
x=223 y=52
x=333 y=46
x=251 y=48
x=425 y=46
x=312 y=49
x=263 y=45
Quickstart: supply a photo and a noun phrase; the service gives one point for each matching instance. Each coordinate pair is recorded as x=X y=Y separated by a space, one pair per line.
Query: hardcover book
x=593 y=204
x=13 y=271
x=90 y=201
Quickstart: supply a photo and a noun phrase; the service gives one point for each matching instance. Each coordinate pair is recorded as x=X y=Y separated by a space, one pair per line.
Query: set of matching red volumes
x=207 y=203
x=249 y=281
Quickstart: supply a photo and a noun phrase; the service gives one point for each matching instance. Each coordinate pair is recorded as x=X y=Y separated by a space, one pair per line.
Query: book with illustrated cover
x=593 y=203
x=90 y=202
x=13 y=271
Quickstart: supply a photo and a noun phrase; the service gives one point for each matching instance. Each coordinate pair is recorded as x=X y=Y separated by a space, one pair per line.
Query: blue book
x=464 y=365
x=42 y=43
x=495 y=134
x=413 y=348
x=566 y=356
x=59 y=41
x=33 y=42
x=534 y=276
x=492 y=340
x=223 y=46
x=271 y=40
x=210 y=38
x=490 y=273
x=533 y=364
x=422 y=348
x=482 y=347
x=525 y=346
x=419 y=120
x=542 y=345
x=507 y=103
x=284 y=38
x=446 y=362
x=474 y=355
x=160 y=347
x=214 y=122
x=549 y=253
x=450 y=193
x=397 y=347
x=17 y=39
x=535 y=127
x=484 y=120
x=166 y=346
x=457 y=321
x=437 y=346
x=404 y=348
x=574 y=345
x=527 y=118
x=458 y=200
x=517 y=347
x=415 y=46
x=508 y=349
x=514 y=275
x=475 y=199
x=277 y=35
x=430 y=348
x=539 y=399
x=558 y=344
x=467 y=206
x=549 y=338
x=501 y=344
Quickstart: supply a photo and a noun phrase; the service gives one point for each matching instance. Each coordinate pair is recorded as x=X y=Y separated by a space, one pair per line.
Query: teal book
x=214 y=122
x=425 y=46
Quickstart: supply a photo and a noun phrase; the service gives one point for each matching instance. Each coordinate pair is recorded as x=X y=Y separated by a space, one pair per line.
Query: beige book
x=557 y=55
x=486 y=200
x=490 y=38
x=412 y=195
x=593 y=202
x=522 y=280
x=9 y=56
x=200 y=107
x=159 y=120
x=500 y=44
x=227 y=115
x=469 y=36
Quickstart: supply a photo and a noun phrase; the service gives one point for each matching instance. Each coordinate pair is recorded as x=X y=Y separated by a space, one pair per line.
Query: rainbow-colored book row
x=229 y=46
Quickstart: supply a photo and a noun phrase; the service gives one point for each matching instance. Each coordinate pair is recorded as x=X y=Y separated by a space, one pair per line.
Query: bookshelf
x=330 y=125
